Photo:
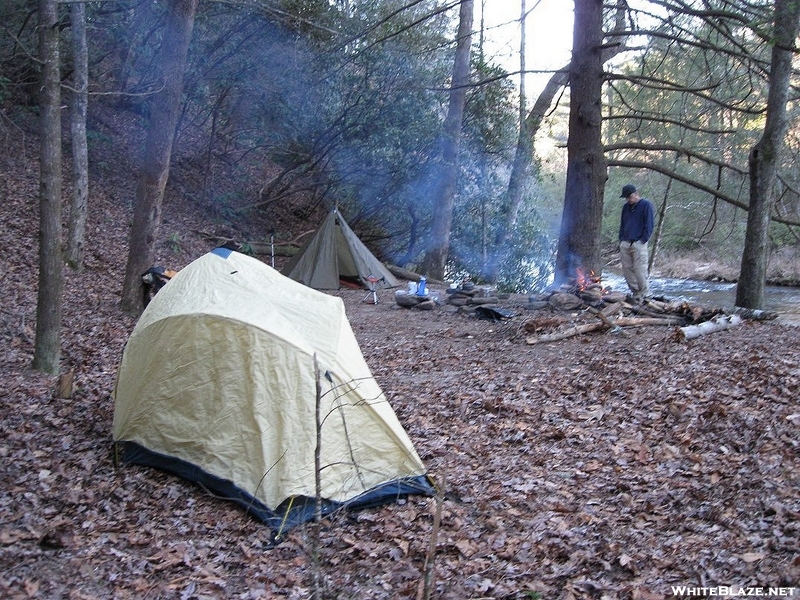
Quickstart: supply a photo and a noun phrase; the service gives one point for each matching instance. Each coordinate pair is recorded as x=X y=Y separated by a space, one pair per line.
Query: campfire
x=583 y=289
x=583 y=281
x=582 y=305
x=587 y=287
x=584 y=295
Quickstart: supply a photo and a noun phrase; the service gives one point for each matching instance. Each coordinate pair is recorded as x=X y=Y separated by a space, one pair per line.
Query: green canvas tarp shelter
x=335 y=254
x=218 y=384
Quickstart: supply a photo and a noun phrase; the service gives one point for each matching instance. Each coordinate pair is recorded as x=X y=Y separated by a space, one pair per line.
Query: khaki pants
x=634 y=257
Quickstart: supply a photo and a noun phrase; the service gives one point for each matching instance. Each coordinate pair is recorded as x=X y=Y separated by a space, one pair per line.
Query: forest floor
x=606 y=466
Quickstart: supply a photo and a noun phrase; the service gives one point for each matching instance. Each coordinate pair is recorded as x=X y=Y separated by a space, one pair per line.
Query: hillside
x=609 y=466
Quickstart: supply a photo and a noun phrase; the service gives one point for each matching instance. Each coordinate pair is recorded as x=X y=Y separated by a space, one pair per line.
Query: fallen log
x=605 y=323
x=719 y=323
x=612 y=309
x=603 y=317
x=566 y=333
x=754 y=314
x=613 y=297
x=641 y=321
x=616 y=322
x=402 y=273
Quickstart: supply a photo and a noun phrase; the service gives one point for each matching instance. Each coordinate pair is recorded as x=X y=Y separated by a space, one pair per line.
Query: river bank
x=718 y=266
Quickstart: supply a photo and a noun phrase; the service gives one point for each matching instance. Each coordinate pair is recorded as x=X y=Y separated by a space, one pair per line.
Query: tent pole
x=272 y=248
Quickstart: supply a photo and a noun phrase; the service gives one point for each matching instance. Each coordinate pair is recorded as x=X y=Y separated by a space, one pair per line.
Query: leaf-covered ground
x=607 y=466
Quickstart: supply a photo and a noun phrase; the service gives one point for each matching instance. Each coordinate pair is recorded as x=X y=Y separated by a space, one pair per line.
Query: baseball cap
x=627 y=190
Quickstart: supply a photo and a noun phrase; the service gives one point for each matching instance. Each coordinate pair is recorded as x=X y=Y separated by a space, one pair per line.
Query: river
x=783 y=300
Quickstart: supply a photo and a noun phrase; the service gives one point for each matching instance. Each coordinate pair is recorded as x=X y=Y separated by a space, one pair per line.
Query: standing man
x=635 y=229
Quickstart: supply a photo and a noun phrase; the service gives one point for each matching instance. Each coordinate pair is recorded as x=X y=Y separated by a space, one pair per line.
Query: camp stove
x=372 y=284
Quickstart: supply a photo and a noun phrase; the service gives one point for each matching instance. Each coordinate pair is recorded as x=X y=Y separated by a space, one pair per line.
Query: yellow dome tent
x=218 y=384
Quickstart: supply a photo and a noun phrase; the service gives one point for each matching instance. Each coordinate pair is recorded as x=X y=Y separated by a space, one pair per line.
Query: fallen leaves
x=609 y=466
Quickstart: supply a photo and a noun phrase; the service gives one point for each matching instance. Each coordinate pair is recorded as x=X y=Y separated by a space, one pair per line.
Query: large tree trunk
x=165 y=108
x=80 y=154
x=447 y=174
x=579 y=238
x=47 y=346
x=765 y=158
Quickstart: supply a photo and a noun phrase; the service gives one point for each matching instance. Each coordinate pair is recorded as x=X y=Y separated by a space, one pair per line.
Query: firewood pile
x=612 y=311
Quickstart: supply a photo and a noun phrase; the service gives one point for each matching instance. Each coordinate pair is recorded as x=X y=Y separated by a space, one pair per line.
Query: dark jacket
x=636 y=223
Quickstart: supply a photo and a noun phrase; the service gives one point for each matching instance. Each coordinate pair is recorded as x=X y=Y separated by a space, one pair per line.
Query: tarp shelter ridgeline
x=334 y=253
x=217 y=384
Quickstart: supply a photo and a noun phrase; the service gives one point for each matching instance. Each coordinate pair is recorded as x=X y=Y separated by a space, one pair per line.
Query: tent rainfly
x=334 y=253
x=218 y=384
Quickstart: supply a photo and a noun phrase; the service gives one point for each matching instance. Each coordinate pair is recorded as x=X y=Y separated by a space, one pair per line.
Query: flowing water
x=783 y=300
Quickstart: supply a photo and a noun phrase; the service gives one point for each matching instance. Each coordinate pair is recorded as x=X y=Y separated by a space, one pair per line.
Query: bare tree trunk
x=158 y=152
x=579 y=238
x=47 y=345
x=524 y=156
x=80 y=154
x=656 y=238
x=446 y=183
x=765 y=158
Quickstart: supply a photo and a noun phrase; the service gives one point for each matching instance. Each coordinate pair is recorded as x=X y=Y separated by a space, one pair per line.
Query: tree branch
x=678 y=150
x=635 y=164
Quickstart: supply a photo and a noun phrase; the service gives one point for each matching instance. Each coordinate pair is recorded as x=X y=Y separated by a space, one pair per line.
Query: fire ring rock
x=409 y=300
x=563 y=301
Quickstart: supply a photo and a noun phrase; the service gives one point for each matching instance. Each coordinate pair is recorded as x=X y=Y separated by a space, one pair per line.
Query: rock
x=563 y=301
x=408 y=300
x=458 y=300
x=592 y=296
x=614 y=297
x=487 y=300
